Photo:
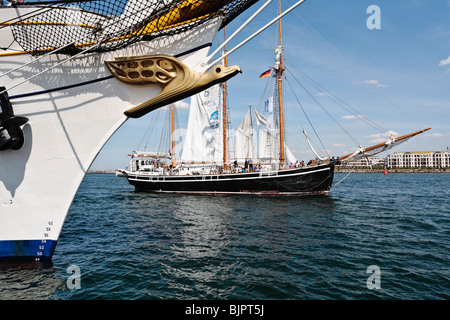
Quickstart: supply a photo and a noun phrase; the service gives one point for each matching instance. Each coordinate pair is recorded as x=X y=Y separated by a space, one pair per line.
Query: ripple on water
x=132 y=245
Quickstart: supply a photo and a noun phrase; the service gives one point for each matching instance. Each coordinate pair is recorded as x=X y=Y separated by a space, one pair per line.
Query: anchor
x=11 y=135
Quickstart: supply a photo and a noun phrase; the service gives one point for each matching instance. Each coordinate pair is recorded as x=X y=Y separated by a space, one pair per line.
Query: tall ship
x=205 y=166
x=260 y=161
x=71 y=73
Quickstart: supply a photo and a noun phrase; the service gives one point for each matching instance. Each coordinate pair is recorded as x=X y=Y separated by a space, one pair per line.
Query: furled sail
x=312 y=149
x=381 y=147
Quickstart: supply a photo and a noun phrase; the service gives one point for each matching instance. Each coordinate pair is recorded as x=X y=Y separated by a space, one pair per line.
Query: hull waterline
x=300 y=181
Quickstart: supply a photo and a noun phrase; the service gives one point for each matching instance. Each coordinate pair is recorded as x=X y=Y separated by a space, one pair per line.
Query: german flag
x=265 y=74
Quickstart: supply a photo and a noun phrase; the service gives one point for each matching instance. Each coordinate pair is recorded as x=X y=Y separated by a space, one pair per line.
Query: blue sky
x=397 y=76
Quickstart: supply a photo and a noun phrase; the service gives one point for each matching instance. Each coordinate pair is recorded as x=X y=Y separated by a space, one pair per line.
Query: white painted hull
x=68 y=125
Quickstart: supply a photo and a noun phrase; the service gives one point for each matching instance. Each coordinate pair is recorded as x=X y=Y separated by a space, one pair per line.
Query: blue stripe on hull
x=27 y=250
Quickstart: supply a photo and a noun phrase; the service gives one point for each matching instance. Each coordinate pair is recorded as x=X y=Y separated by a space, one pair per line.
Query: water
x=132 y=245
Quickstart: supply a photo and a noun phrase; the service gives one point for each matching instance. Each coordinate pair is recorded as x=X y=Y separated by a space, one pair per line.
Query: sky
x=391 y=66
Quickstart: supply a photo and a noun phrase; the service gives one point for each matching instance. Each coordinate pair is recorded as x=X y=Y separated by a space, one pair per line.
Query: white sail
x=260 y=118
x=243 y=148
x=266 y=149
x=290 y=157
x=201 y=144
x=267 y=140
x=204 y=132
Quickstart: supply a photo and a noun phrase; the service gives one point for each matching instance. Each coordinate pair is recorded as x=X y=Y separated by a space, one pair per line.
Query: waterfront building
x=419 y=159
x=364 y=162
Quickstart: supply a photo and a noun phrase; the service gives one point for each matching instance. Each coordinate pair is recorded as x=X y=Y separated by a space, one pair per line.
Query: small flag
x=265 y=74
x=268 y=105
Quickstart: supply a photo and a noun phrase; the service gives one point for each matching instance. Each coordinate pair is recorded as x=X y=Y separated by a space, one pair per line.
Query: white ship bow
x=73 y=109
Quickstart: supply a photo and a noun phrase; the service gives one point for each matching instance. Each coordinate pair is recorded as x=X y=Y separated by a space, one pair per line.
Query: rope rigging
x=150 y=127
x=355 y=69
x=309 y=121
x=339 y=101
x=121 y=22
x=78 y=27
x=326 y=111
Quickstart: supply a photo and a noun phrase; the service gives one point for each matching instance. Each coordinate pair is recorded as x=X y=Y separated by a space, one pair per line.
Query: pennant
x=265 y=74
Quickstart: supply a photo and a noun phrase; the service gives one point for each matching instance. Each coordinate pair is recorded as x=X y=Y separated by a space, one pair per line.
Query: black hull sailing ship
x=307 y=180
x=205 y=166
x=271 y=175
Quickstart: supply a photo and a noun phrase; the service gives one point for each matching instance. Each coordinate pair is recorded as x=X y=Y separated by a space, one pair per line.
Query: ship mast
x=173 y=134
x=224 y=93
x=279 y=73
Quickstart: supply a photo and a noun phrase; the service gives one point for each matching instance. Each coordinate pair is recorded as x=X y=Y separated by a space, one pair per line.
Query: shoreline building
x=364 y=162
x=419 y=159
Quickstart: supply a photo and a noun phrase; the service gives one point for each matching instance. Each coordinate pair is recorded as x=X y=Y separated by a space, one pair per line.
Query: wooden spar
x=224 y=93
x=406 y=136
x=280 y=91
x=173 y=134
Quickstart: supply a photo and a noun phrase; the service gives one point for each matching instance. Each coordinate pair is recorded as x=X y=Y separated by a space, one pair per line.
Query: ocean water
x=372 y=237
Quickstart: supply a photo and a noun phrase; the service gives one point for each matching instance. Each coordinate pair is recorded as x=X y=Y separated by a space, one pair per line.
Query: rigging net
x=109 y=25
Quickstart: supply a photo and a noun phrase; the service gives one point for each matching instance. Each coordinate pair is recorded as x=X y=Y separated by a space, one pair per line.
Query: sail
x=260 y=118
x=267 y=139
x=204 y=132
x=265 y=147
x=290 y=157
x=243 y=148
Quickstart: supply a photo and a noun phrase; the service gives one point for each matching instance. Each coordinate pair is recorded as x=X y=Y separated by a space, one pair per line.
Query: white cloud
x=433 y=135
x=182 y=105
x=339 y=145
x=381 y=137
x=375 y=83
x=351 y=117
x=444 y=62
